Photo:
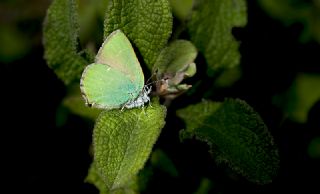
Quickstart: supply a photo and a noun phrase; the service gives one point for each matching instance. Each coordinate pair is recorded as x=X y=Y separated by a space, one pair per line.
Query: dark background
x=40 y=157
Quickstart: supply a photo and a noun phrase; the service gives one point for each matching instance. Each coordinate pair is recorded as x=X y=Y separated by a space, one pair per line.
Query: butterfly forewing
x=117 y=52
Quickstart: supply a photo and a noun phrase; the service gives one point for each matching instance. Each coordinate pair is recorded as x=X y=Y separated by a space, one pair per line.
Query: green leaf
x=174 y=63
x=288 y=11
x=300 y=97
x=123 y=142
x=144 y=177
x=296 y=11
x=18 y=44
x=161 y=160
x=176 y=56
x=228 y=77
x=94 y=178
x=314 y=148
x=204 y=187
x=181 y=8
x=91 y=16
x=60 y=39
x=236 y=135
x=76 y=104
x=148 y=24
x=210 y=30
x=62 y=114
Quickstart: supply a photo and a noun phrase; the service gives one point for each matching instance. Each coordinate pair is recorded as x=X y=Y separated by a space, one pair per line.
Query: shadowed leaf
x=210 y=30
x=300 y=97
x=60 y=39
x=236 y=135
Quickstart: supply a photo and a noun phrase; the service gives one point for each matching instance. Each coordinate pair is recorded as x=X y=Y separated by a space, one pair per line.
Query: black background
x=42 y=158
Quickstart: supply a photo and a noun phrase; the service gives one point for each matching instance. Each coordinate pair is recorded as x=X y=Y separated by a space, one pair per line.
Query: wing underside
x=105 y=87
x=117 y=52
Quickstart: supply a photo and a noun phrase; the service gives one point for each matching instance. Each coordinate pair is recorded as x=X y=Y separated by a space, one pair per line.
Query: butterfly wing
x=117 y=52
x=103 y=86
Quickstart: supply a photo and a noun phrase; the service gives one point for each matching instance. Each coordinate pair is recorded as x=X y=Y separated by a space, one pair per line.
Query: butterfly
x=115 y=79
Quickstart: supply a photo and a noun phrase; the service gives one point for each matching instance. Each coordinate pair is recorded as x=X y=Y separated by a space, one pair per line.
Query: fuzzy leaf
x=60 y=39
x=123 y=142
x=94 y=178
x=148 y=24
x=236 y=135
x=210 y=30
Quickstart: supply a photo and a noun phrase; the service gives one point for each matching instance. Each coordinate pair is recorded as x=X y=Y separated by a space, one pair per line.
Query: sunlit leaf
x=123 y=142
x=147 y=24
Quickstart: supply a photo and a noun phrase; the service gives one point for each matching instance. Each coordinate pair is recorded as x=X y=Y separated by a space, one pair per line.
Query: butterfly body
x=140 y=100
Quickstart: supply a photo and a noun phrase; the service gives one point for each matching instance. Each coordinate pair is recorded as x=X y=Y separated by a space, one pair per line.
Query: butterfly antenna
x=154 y=73
x=160 y=80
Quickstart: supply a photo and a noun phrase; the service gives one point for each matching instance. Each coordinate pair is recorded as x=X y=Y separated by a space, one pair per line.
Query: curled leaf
x=173 y=65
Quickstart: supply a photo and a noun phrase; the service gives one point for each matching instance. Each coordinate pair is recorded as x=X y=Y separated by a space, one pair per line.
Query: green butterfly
x=115 y=79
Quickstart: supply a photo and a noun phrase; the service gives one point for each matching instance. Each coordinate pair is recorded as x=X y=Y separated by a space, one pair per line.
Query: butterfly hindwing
x=105 y=87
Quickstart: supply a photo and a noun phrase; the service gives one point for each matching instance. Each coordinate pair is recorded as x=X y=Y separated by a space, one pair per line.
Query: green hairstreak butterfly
x=115 y=79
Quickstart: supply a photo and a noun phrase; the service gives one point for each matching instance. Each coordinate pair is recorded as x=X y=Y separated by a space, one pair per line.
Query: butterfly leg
x=144 y=111
x=147 y=90
x=122 y=107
